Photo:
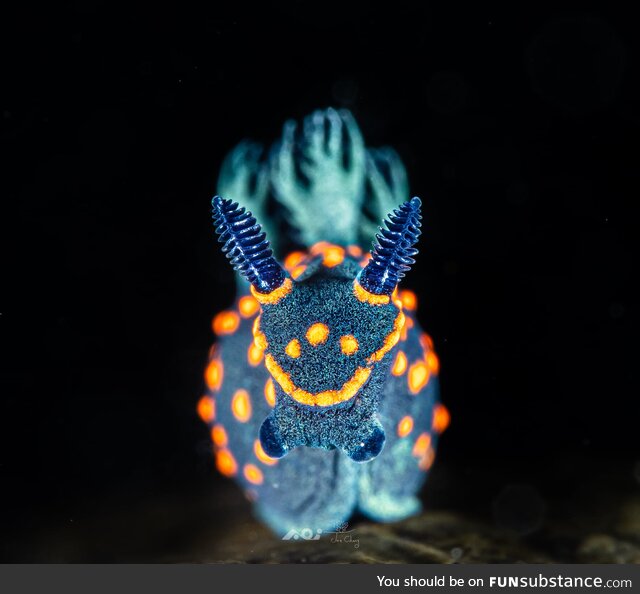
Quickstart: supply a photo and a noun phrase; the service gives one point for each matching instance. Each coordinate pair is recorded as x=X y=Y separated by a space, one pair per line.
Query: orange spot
x=433 y=363
x=298 y=271
x=426 y=342
x=418 y=376
x=248 y=306
x=405 y=330
x=219 y=436
x=253 y=474
x=327 y=398
x=423 y=443
x=391 y=339
x=293 y=259
x=405 y=426
x=441 y=418
x=293 y=348
x=409 y=299
x=317 y=333
x=207 y=409
x=426 y=461
x=400 y=364
x=214 y=373
x=259 y=339
x=261 y=454
x=226 y=322
x=270 y=393
x=274 y=296
x=349 y=344
x=355 y=251
x=254 y=354
x=333 y=256
x=241 y=406
x=319 y=248
x=226 y=463
x=366 y=297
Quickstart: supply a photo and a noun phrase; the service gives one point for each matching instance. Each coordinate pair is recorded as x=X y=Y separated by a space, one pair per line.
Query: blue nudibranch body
x=322 y=390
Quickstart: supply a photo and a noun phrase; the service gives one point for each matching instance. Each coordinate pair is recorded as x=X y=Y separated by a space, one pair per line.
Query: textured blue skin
x=326 y=295
x=320 y=487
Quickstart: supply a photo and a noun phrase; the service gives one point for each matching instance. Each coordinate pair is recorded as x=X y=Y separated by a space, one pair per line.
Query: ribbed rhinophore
x=393 y=249
x=246 y=245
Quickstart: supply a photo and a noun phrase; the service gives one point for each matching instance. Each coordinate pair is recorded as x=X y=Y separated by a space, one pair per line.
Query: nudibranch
x=322 y=389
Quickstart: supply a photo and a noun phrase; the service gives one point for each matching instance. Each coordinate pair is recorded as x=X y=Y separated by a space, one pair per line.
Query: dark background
x=519 y=130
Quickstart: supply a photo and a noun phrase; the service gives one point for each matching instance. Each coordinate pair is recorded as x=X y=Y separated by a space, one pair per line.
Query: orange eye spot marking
x=422 y=445
x=400 y=364
x=253 y=474
x=418 y=376
x=259 y=339
x=274 y=296
x=409 y=299
x=433 y=362
x=426 y=461
x=219 y=436
x=333 y=256
x=426 y=342
x=390 y=341
x=248 y=306
x=254 y=354
x=319 y=248
x=214 y=374
x=355 y=251
x=261 y=454
x=270 y=393
x=293 y=259
x=293 y=348
x=241 y=406
x=405 y=426
x=349 y=344
x=405 y=329
x=441 y=418
x=317 y=333
x=206 y=409
x=298 y=271
x=226 y=322
x=370 y=298
x=226 y=463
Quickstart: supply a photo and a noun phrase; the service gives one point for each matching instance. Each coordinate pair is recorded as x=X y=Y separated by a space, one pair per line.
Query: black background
x=519 y=130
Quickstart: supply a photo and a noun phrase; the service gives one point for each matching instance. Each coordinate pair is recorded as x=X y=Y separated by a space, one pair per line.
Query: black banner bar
x=309 y=579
